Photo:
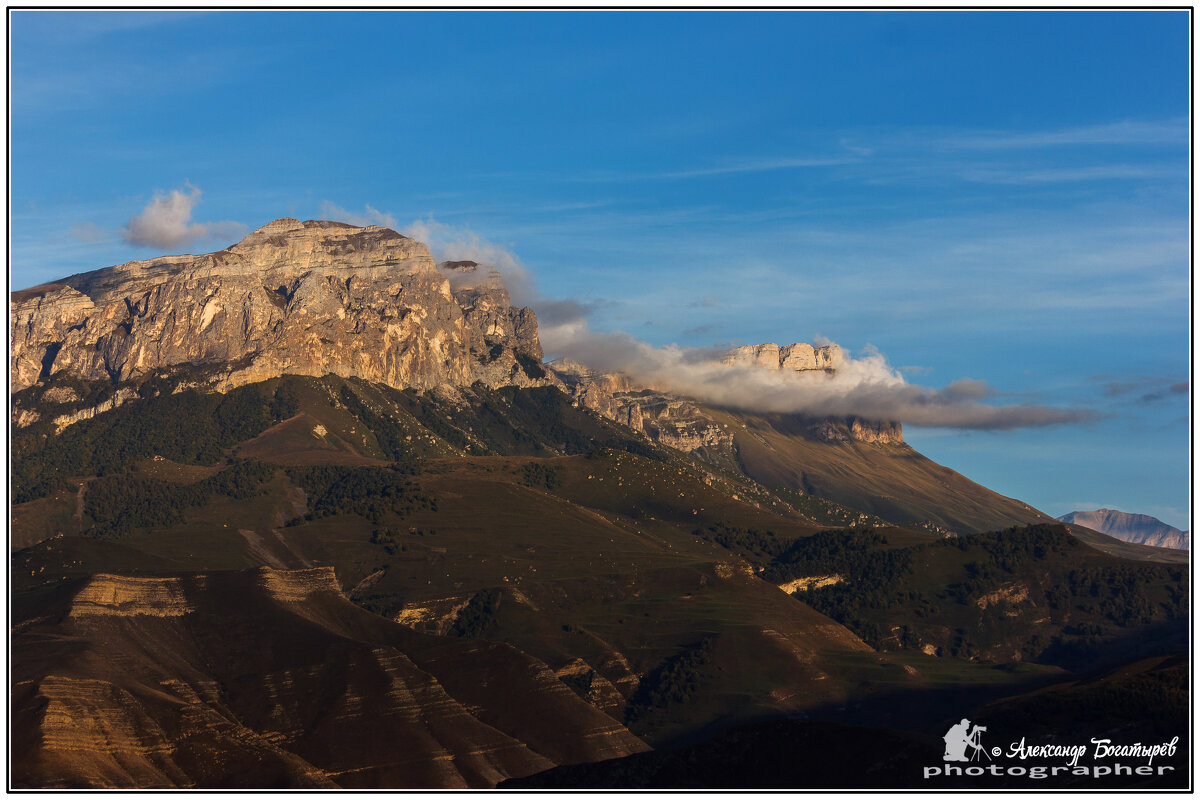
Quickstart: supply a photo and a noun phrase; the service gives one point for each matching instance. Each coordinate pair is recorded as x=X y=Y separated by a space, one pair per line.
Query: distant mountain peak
x=1135 y=528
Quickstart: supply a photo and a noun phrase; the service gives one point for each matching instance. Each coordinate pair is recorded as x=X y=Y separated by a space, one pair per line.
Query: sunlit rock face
x=798 y=357
x=665 y=418
x=306 y=298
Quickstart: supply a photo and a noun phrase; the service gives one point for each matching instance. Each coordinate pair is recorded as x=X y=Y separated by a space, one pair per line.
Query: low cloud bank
x=166 y=222
x=865 y=387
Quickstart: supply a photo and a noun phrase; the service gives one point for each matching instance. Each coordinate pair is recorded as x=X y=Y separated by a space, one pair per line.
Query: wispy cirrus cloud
x=1095 y=172
x=764 y=165
x=79 y=25
x=736 y=168
x=1126 y=132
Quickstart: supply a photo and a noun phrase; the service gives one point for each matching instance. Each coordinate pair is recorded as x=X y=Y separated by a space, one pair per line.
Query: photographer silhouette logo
x=963 y=736
x=1048 y=760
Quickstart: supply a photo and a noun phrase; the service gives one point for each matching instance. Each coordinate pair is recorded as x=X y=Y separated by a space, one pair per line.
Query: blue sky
x=1000 y=196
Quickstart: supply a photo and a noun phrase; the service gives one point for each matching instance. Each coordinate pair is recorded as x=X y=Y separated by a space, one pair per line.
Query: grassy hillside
x=1024 y=594
x=891 y=481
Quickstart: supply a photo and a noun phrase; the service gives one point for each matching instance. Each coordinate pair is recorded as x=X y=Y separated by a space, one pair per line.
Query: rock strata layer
x=306 y=298
x=272 y=679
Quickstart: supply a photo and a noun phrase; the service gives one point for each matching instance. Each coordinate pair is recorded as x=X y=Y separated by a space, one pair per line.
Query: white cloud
x=454 y=243
x=866 y=386
x=166 y=222
x=458 y=243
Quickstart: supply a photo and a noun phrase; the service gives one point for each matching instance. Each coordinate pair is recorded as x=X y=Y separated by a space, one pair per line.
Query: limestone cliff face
x=664 y=418
x=855 y=429
x=486 y=307
x=295 y=297
x=798 y=357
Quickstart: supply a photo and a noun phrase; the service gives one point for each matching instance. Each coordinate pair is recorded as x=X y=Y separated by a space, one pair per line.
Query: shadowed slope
x=140 y=681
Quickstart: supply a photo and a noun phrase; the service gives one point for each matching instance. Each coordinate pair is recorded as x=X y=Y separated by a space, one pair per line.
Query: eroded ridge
x=121 y=595
x=298 y=585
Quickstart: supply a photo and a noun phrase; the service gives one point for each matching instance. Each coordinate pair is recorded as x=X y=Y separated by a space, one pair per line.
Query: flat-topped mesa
x=306 y=298
x=798 y=357
x=125 y=596
x=276 y=252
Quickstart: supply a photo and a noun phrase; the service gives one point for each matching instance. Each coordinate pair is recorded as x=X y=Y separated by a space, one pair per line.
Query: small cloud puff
x=89 y=232
x=166 y=222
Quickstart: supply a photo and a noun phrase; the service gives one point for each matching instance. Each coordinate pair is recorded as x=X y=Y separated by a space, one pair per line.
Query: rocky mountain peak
x=288 y=244
x=308 y=298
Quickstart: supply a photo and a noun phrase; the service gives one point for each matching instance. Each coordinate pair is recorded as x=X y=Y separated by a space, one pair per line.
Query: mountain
x=1135 y=528
x=319 y=297
x=311 y=512
x=301 y=298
